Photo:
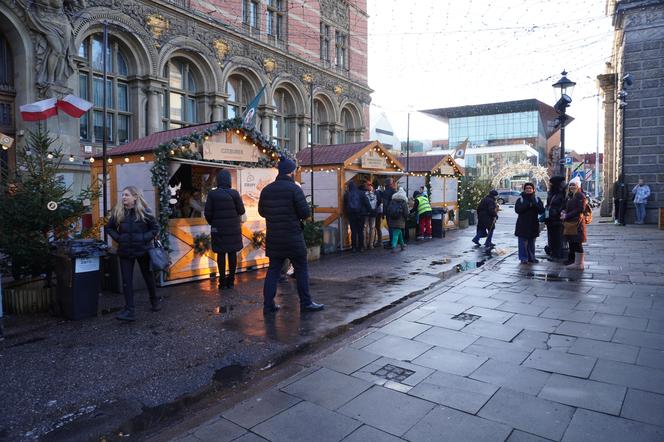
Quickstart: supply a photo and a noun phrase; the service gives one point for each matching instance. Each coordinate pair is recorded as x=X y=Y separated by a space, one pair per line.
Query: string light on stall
x=109 y=161
x=142 y=158
x=49 y=156
x=71 y=158
x=92 y=160
x=126 y=159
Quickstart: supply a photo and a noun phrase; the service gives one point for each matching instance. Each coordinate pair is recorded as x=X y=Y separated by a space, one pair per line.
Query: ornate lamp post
x=309 y=79
x=566 y=87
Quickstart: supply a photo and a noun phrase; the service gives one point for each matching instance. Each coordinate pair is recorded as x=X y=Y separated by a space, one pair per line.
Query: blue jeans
x=526 y=249
x=274 y=272
x=640 y=212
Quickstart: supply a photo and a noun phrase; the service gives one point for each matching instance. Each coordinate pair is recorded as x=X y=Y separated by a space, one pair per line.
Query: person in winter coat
x=134 y=229
x=370 y=216
x=619 y=200
x=390 y=189
x=487 y=214
x=378 y=240
x=555 y=203
x=575 y=203
x=356 y=206
x=528 y=208
x=422 y=208
x=641 y=193
x=223 y=211
x=397 y=214
x=284 y=207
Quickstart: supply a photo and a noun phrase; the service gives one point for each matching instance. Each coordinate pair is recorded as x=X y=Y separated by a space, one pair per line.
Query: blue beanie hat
x=286 y=166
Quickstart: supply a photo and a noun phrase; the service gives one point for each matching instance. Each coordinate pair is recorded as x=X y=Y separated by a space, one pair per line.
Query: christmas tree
x=36 y=208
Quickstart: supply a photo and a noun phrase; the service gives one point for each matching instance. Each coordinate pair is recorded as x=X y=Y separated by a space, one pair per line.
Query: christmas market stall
x=439 y=174
x=326 y=172
x=176 y=169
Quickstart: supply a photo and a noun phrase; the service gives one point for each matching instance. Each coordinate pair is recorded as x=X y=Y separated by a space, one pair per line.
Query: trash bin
x=437 y=216
x=78 y=276
x=472 y=217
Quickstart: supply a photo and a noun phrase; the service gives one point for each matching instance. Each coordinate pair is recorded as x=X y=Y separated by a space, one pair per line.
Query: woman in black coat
x=134 y=229
x=528 y=207
x=487 y=214
x=223 y=211
x=555 y=202
x=575 y=203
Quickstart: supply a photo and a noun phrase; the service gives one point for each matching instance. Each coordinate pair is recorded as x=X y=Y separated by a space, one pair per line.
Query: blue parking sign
x=568 y=161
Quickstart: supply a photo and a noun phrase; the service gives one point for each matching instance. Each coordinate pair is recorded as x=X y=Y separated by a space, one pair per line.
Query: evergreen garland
x=180 y=148
x=202 y=243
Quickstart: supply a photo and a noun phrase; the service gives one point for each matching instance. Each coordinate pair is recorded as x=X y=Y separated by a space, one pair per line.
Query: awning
x=206 y=163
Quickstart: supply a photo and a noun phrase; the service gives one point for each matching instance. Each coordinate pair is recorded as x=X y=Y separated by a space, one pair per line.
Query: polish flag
x=39 y=110
x=73 y=106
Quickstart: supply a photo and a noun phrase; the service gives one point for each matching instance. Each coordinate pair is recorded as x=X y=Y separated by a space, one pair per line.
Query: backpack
x=587 y=214
x=373 y=201
x=354 y=204
x=394 y=210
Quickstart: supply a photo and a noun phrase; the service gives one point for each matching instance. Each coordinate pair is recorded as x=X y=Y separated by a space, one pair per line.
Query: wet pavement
x=79 y=380
x=501 y=352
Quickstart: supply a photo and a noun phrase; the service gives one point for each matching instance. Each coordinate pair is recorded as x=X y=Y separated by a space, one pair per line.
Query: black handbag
x=159 y=257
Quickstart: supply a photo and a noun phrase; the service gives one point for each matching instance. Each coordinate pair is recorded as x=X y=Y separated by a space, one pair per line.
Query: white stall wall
x=326 y=188
x=138 y=175
x=451 y=184
x=414 y=183
x=437 y=189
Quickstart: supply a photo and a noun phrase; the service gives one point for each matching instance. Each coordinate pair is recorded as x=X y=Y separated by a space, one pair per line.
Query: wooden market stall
x=175 y=170
x=334 y=166
x=440 y=175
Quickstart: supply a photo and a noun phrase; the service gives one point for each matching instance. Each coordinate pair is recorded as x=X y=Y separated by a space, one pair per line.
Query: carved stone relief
x=336 y=12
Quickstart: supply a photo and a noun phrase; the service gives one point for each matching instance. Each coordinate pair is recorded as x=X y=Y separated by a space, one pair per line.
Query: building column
x=607 y=84
x=304 y=139
x=154 y=110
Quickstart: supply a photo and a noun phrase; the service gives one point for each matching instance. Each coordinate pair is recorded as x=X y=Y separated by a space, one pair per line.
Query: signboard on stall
x=216 y=148
x=371 y=160
x=251 y=182
x=446 y=169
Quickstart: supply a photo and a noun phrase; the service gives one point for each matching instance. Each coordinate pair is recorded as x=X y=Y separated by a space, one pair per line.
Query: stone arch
x=248 y=69
x=298 y=94
x=350 y=118
x=199 y=55
x=143 y=57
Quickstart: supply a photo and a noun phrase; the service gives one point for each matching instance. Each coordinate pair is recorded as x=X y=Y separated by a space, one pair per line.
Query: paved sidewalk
x=504 y=352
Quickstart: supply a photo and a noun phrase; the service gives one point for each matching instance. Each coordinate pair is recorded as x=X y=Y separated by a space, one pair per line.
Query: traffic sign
x=568 y=161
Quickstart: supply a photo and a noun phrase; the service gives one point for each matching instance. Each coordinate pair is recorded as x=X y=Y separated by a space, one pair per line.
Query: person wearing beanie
x=283 y=205
x=487 y=214
x=528 y=208
x=574 y=226
x=555 y=202
x=223 y=211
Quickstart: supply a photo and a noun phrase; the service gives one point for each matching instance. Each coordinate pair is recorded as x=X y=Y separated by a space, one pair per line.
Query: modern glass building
x=528 y=123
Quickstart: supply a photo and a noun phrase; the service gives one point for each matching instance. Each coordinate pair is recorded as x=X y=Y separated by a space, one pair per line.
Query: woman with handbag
x=528 y=208
x=574 y=224
x=134 y=229
x=223 y=212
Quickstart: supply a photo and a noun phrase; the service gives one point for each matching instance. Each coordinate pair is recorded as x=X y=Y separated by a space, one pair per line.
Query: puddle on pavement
x=469 y=265
x=231 y=374
x=554 y=277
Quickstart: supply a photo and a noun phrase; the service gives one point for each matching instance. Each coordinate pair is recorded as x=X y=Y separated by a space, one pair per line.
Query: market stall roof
x=429 y=163
x=151 y=142
x=335 y=154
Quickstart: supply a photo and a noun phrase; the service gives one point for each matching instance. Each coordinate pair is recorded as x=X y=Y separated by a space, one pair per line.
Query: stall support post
x=104 y=128
x=407 y=153
x=311 y=147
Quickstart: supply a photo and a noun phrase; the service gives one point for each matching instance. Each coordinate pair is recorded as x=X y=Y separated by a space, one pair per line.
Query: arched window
x=239 y=93
x=281 y=123
x=91 y=88
x=349 y=126
x=320 y=118
x=180 y=108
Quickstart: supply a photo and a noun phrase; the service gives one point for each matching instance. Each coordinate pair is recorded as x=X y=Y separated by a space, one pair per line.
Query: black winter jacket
x=223 y=209
x=134 y=237
x=528 y=207
x=487 y=213
x=283 y=205
x=363 y=206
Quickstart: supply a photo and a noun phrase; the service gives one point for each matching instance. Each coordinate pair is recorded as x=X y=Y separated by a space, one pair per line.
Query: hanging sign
x=216 y=149
x=446 y=170
x=370 y=161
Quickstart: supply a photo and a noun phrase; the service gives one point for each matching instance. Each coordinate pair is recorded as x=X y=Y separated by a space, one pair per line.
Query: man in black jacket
x=555 y=203
x=487 y=214
x=283 y=205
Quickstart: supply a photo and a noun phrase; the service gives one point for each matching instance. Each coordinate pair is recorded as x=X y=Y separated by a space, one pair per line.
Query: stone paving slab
x=347 y=360
x=489 y=330
x=644 y=407
x=651 y=358
x=566 y=314
x=522 y=436
x=397 y=348
x=598 y=396
x=515 y=377
x=450 y=361
x=219 y=429
x=490 y=315
x=643 y=339
x=605 y=350
x=454 y=391
x=367 y=372
x=598 y=332
x=306 y=422
x=528 y=413
x=260 y=408
x=447 y=425
x=387 y=410
x=533 y=323
x=370 y=434
x=404 y=329
x=556 y=362
x=620 y=321
x=635 y=376
x=515 y=356
x=249 y=437
x=443 y=320
x=521 y=307
x=443 y=337
x=327 y=388
x=590 y=426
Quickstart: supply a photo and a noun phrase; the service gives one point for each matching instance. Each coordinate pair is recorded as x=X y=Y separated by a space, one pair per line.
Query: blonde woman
x=133 y=228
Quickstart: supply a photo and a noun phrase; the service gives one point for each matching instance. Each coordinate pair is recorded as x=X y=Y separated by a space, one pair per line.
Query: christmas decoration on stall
x=258 y=239
x=202 y=244
x=35 y=208
x=181 y=148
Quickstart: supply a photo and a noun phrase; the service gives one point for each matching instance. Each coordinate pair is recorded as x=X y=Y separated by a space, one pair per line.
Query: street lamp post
x=308 y=78
x=566 y=87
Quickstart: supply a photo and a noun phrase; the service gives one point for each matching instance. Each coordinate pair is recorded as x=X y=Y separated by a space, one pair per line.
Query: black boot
x=230 y=281
x=155 y=304
x=126 y=315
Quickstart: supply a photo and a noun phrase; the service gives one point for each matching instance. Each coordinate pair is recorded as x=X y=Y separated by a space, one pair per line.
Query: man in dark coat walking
x=555 y=203
x=223 y=210
x=284 y=207
x=487 y=214
x=528 y=207
x=356 y=206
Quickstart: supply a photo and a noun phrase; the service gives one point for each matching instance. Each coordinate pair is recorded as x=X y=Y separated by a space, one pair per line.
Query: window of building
x=341 y=50
x=180 y=96
x=7 y=95
x=325 y=43
x=251 y=15
x=282 y=121
x=275 y=24
x=349 y=126
x=91 y=88
x=239 y=93
x=319 y=120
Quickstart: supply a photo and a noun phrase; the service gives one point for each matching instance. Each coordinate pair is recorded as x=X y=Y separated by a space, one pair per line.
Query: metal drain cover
x=393 y=373
x=466 y=317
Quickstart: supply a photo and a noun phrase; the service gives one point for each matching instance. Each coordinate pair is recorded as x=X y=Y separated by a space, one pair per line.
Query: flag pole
x=104 y=128
x=407 y=152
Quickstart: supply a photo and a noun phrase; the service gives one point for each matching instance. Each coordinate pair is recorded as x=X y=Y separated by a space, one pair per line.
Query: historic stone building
x=181 y=62
x=634 y=106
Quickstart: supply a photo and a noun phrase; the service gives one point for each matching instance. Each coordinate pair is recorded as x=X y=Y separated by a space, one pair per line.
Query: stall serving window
x=189 y=187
